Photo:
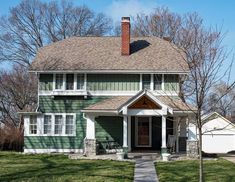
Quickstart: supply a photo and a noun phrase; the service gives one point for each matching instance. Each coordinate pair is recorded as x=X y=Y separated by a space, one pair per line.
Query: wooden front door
x=143 y=132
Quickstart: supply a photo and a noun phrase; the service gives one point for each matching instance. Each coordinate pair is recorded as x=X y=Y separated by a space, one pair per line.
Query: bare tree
x=222 y=100
x=205 y=56
x=33 y=24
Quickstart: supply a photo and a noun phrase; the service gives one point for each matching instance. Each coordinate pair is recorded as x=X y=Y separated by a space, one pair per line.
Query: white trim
x=146 y=112
x=163 y=131
x=40 y=125
x=38 y=151
x=85 y=81
x=141 y=84
x=114 y=71
x=125 y=131
x=102 y=93
x=151 y=82
x=136 y=132
x=129 y=133
x=90 y=126
x=163 y=82
x=220 y=116
x=75 y=85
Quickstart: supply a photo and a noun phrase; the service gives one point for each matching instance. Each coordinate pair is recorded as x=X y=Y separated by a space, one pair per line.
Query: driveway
x=229 y=157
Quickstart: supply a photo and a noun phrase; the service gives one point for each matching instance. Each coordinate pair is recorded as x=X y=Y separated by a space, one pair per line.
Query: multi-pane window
x=58 y=124
x=171 y=82
x=33 y=125
x=59 y=81
x=69 y=124
x=69 y=81
x=47 y=124
x=146 y=80
x=157 y=82
x=80 y=81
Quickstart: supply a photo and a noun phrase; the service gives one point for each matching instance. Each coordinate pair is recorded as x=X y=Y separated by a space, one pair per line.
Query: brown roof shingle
x=104 y=53
x=114 y=103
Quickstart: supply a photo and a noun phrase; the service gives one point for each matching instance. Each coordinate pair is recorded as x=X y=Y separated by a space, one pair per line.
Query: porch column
x=125 y=132
x=129 y=133
x=164 y=134
x=90 y=141
x=90 y=127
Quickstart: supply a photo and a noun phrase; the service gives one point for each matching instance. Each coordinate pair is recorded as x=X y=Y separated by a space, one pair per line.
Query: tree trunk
x=201 y=176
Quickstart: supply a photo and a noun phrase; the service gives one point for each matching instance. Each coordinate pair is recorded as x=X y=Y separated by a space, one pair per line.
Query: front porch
x=139 y=123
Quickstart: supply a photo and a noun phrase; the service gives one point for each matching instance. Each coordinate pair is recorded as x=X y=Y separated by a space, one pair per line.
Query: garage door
x=218 y=143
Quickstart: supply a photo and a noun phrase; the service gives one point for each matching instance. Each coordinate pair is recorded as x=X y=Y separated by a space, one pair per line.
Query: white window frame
x=54 y=81
x=48 y=134
x=73 y=124
x=162 y=79
x=40 y=125
x=37 y=126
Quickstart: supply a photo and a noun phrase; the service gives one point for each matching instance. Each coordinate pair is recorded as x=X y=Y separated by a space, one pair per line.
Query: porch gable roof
x=116 y=104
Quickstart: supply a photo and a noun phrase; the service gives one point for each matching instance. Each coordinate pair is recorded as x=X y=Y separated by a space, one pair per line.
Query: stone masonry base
x=192 y=149
x=90 y=147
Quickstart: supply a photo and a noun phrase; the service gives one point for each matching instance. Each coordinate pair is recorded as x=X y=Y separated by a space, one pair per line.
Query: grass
x=181 y=171
x=58 y=168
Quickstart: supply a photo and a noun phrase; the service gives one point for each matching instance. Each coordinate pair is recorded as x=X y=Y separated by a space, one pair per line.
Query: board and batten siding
x=72 y=104
x=113 y=82
x=109 y=128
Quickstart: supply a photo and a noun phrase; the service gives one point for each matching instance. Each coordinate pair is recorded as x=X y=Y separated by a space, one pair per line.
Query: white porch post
x=90 y=127
x=129 y=133
x=125 y=132
x=163 y=134
x=177 y=134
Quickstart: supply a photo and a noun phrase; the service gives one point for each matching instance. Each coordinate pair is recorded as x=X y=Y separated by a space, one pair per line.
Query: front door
x=143 y=132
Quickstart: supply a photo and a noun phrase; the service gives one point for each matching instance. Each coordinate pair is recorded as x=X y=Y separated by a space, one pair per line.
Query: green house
x=102 y=94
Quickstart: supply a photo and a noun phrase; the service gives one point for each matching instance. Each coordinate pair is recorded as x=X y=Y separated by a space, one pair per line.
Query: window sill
x=64 y=92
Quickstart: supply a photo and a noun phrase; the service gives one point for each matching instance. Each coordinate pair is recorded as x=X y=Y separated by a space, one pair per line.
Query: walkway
x=145 y=171
x=230 y=157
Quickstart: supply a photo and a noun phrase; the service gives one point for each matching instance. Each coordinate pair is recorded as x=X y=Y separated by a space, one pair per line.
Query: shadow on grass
x=60 y=168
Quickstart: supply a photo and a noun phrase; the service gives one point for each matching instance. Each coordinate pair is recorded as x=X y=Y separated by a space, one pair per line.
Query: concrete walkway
x=145 y=171
x=230 y=157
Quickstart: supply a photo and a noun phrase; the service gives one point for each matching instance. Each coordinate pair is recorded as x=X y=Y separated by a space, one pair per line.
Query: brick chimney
x=126 y=36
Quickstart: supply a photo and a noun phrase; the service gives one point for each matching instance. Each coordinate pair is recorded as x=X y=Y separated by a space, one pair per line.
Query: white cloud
x=120 y=8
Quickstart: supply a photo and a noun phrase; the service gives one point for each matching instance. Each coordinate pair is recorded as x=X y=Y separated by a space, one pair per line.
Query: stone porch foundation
x=192 y=148
x=90 y=147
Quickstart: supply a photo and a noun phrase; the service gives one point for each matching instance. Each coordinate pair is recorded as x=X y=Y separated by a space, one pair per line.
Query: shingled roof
x=150 y=54
x=114 y=104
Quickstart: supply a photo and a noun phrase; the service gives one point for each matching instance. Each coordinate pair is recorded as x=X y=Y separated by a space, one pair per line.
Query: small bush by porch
x=44 y=167
x=187 y=170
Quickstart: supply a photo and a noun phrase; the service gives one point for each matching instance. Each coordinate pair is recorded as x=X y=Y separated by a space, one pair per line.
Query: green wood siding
x=171 y=82
x=67 y=104
x=45 y=81
x=109 y=128
x=113 y=82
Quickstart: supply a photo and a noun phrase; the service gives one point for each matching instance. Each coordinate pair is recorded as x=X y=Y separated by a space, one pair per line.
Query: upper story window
x=59 y=81
x=69 y=81
x=33 y=125
x=80 y=82
x=157 y=82
x=47 y=124
x=171 y=82
x=146 y=80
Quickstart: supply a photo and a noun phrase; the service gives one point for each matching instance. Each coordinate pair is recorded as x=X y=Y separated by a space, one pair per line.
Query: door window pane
x=69 y=81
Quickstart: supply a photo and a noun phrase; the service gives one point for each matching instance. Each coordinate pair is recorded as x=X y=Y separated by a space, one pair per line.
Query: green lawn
x=43 y=168
x=182 y=171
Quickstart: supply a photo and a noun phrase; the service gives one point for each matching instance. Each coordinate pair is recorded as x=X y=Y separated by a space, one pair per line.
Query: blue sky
x=214 y=12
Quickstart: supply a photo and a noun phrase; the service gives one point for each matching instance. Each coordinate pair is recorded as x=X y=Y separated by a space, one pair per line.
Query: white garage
x=219 y=134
